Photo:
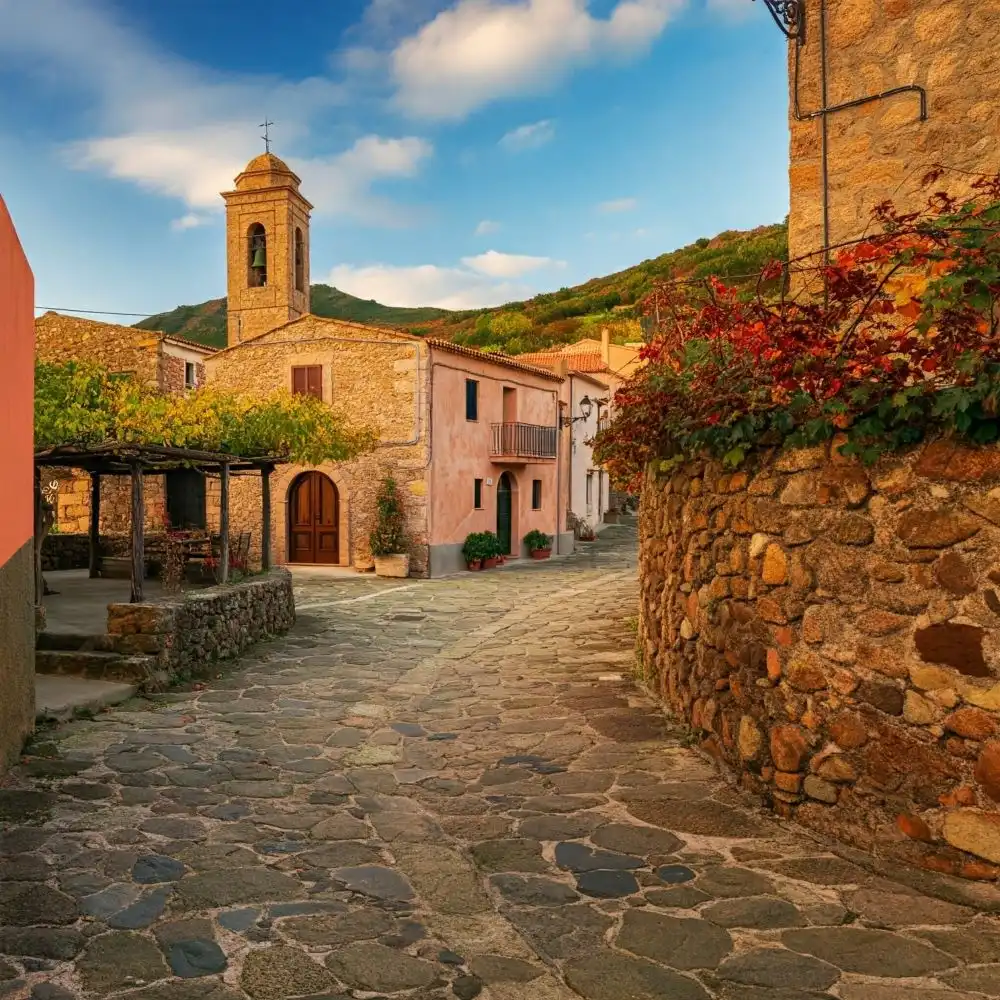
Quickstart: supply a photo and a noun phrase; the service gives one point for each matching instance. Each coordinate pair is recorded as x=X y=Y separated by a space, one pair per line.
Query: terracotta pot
x=541 y=553
x=475 y=566
x=395 y=566
x=490 y=563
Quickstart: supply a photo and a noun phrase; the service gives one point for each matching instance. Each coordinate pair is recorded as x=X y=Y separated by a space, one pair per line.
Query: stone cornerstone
x=832 y=633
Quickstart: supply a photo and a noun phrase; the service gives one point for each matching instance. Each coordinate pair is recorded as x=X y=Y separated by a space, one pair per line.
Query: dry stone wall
x=183 y=633
x=832 y=634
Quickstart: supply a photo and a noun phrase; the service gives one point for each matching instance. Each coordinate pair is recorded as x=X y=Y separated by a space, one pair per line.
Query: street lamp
x=586 y=408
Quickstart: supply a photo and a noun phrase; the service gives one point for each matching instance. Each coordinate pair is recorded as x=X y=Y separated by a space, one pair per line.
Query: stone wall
x=379 y=378
x=71 y=494
x=882 y=150
x=832 y=634
x=72 y=551
x=183 y=633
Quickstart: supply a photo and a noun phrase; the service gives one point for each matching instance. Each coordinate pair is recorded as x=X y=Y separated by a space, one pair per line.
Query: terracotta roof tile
x=506 y=360
x=590 y=362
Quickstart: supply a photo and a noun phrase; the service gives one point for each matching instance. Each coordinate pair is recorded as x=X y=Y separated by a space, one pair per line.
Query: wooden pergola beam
x=265 y=524
x=224 y=524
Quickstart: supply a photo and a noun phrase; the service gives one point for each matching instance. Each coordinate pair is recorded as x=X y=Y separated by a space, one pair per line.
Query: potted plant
x=388 y=541
x=491 y=550
x=586 y=532
x=539 y=544
x=472 y=550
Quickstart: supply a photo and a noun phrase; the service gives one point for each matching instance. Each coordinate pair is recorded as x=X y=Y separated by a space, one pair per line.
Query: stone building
x=449 y=420
x=17 y=636
x=167 y=362
x=848 y=160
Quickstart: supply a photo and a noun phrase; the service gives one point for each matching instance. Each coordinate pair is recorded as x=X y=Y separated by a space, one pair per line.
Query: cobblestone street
x=439 y=789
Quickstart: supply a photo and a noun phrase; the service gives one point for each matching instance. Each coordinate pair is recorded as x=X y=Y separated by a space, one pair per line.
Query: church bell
x=259 y=259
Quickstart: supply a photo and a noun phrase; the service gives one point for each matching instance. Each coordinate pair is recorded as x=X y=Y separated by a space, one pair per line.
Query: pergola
x=136 y=461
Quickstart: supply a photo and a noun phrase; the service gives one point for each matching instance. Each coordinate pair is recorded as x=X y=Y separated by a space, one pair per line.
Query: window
x=536 y=494
x=590 y=488
x=477 y=495
x=256 y=256
x=509 y=405
x=308 y=380
x=190 y=378
x=300 y=261
x=471 y=399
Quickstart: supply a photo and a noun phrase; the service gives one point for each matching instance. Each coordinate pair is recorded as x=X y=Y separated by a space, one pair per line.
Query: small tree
x=388 y=538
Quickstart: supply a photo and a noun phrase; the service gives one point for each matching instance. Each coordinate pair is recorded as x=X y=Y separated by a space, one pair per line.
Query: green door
x=503 y=513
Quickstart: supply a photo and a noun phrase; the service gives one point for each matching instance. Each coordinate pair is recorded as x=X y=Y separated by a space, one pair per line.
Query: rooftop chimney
x=606 y=345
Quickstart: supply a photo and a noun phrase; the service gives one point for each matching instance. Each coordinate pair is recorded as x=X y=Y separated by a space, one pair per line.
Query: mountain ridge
x=543 y=321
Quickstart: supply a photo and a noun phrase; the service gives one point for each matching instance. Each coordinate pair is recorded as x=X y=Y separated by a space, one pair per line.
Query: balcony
x=523 y=443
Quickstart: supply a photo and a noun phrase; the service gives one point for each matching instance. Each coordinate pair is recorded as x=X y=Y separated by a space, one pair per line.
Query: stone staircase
x=89 y=656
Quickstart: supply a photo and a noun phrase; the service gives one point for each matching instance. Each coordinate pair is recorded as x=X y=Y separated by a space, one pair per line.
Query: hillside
x=551 y=318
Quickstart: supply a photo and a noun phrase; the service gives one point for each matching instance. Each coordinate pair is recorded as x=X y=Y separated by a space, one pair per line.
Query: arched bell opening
x=256 y=256
x=300 y=261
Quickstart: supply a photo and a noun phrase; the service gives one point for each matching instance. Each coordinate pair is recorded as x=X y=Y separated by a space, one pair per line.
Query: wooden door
x=314 y=520
x=504 y=515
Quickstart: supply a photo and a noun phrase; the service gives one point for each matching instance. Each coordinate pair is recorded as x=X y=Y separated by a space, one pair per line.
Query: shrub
x=389 y=535
x=537 y=541
x=905 y=343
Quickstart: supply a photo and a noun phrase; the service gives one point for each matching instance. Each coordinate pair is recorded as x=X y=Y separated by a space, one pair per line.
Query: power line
x=92 y=312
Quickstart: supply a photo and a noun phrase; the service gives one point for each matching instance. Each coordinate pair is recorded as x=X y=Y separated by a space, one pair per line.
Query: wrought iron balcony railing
x=523 y=441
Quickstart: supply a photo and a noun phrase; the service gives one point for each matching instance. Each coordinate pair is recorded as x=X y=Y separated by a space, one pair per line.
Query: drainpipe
x=562 y=370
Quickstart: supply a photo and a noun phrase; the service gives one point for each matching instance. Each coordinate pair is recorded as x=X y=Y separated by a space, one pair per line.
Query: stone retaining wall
x=183 y=633
x=833 y=635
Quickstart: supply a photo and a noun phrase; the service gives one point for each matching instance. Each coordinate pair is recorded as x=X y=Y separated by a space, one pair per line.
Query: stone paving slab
x=445 y=789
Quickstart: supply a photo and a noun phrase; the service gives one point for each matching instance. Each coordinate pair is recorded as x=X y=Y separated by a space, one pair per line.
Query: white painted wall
x=582 y=458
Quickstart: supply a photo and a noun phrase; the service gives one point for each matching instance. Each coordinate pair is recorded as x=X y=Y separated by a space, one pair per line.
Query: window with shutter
x=471 y=399
x=536 y=494
x=308 y=380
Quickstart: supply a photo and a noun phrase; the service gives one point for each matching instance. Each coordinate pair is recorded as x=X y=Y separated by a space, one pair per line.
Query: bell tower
x=267 y=249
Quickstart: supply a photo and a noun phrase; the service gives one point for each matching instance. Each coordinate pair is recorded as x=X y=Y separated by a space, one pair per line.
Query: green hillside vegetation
x=545 y=321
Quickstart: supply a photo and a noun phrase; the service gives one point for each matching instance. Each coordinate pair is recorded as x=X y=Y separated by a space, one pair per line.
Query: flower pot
x=490 y=563
x=395 y=566
x=541 y=553
x=474 y=565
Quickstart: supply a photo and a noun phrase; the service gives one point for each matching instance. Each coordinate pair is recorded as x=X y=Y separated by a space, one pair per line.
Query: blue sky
x=458 y=152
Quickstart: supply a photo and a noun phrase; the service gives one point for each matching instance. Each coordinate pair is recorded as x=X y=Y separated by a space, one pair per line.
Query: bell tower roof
x=267 y=171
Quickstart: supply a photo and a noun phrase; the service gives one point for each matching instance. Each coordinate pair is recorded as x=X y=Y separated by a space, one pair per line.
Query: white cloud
x=178 y=130
x=618 y=205
x=508 y=265
x=189 y=221
x=486 y=227
x=486 y=280
x=480 y=50
x=529 y=136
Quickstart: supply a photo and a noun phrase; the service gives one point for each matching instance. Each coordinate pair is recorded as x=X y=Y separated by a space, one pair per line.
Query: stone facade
x=71 y=493
x=832 y=634
x=183 y=633
x=376 y=377
x=266 y=195
x=882 y=150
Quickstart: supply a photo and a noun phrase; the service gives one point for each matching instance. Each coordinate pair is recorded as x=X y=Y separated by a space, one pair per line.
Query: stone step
x=94 y=664
x=74 y=641
x=62 y=697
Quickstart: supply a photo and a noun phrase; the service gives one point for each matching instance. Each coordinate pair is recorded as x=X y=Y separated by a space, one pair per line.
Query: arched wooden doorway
x=505 y=512
x=313 y=520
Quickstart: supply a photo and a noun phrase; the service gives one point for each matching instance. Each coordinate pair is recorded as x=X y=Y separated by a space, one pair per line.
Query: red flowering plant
x=904 y=342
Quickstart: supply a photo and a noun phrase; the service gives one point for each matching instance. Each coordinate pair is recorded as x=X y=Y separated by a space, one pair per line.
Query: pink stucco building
x=17 y=635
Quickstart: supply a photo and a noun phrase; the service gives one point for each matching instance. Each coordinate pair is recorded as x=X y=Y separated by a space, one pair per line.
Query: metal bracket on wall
x=789 y=16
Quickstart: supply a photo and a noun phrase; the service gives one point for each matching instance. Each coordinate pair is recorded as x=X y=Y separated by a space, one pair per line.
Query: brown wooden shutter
x=299 y=380
x=315 y=388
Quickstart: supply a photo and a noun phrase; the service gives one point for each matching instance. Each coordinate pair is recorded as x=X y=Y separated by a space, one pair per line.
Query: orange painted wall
x=461 y=449
x=17 y=349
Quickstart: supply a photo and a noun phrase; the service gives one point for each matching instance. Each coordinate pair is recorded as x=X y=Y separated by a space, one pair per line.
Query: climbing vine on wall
x=905 y=342
x=80 y=404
